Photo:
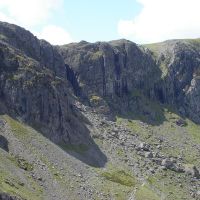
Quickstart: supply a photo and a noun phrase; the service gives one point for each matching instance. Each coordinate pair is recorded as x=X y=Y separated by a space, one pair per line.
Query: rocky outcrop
x=70 y=93
x=34 y=87
x=168 y=72
x=180 y=65
x=192 y=170
x=192 y=99
x=37 y=79
x=39 y=50
x=110 y=69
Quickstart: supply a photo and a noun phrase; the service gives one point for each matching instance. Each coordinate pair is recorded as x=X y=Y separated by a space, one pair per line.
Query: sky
x=141 y=21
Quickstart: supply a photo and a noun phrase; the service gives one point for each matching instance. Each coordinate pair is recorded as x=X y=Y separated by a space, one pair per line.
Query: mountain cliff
x=34 y=85
x=167 y=72
x=104 y=120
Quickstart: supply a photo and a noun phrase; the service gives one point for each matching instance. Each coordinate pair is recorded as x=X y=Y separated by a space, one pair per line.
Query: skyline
x=141 y=21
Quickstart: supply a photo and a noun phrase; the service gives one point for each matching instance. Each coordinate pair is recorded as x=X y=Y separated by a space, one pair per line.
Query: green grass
x=20 y=162
x=120 y=152
x=23 y=164
x=13 y=187
x=145 y=193
x=168 y=186
x=155 y=48
x=182 y=138
x=96 y=55
x=53 y=170
x=115 y=182
x=95 y=100
x=136 y=93
x=17 y=127
x=3 y=37
x=194 y=130
x=154 y=108
x=10 y=183
x=120 y=177
x=163 y=67
x=136 y=127
x=195 y=42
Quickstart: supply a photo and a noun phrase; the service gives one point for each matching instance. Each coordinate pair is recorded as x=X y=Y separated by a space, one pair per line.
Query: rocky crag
x=167 y=72
x=105 y=120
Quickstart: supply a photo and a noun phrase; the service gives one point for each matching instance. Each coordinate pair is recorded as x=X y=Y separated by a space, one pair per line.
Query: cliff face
x=34 y=87
x=167 y=72
x=179 y=61
x=39 y=50
x=122 y=108
x=110 y=69
x=37 y=78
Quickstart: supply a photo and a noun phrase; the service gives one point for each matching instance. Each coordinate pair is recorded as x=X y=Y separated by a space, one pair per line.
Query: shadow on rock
x=80 y=144
x=4 y=143
x=87 y=153
x=139 y=107
x=4 y=196
x=75 y=139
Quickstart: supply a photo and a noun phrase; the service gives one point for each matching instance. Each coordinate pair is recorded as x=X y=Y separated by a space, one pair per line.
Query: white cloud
x=161 y=20
x=28 y=12
x=34 y=15
x=5 y=18
x=55 y=35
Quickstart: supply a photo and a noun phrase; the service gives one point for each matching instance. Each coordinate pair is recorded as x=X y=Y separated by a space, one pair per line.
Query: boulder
x=144 y=146
x=148 y=155
x=172 y=165
x=192 y=170
x=167 y=163
x=181 y=122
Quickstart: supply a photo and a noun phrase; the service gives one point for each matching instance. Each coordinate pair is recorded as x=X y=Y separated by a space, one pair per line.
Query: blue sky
x=142 y=21
x=94 y=20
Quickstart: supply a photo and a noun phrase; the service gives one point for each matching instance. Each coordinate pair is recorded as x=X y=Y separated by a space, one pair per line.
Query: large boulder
x=192 y=170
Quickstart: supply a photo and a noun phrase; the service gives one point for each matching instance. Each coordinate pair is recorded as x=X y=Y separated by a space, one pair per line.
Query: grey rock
x=167 y=163
x=5 y=196
x=181 y=122
x=172 y=165
x=159 y=147
x=144 y=146
x=192 y=170
x=114 y=69
x=65 y=92
x=99 y=66
x=148 y=155
x=4 y=143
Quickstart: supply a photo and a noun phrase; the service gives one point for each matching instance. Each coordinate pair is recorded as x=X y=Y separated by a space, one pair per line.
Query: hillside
x=105 y=120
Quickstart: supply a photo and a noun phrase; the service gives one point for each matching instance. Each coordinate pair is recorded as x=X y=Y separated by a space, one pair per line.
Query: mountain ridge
x=104 y=120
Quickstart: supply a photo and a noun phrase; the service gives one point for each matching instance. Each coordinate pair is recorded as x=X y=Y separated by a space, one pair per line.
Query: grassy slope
x=162 y=47
x=115 y=181
x=16 y=177
x=181 y=142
